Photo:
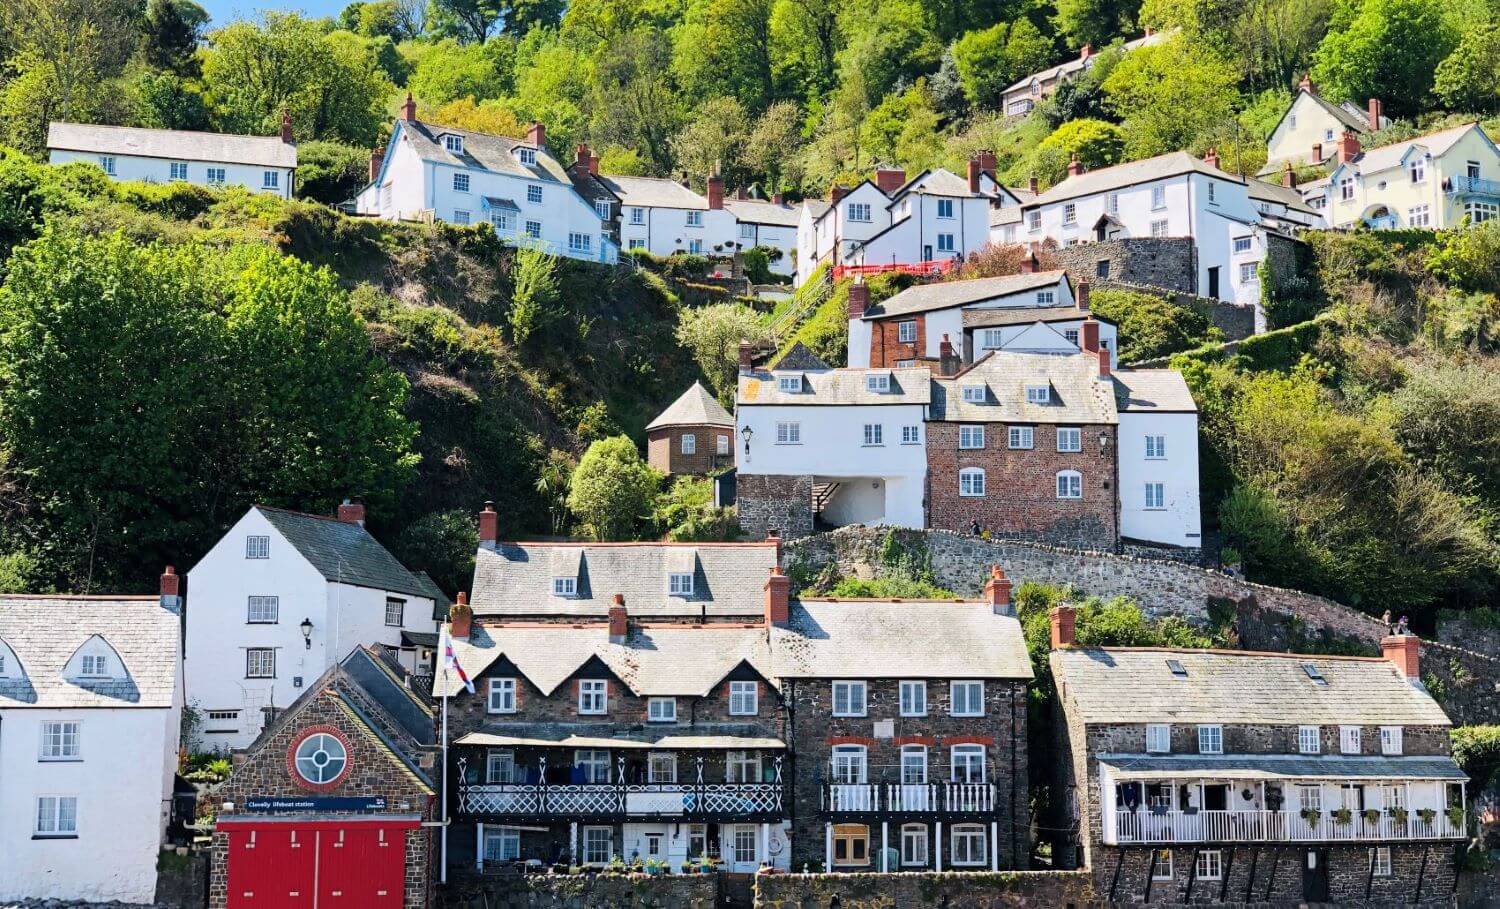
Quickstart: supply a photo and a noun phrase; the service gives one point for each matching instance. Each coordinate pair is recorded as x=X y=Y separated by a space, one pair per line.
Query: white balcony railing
x=607 y=799
x=1272 y=826
x=967 y=798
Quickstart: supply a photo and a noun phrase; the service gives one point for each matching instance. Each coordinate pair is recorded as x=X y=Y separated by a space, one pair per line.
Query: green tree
x=1469 y=78
x=1097 y=143
x=773 y=148
x=904 y=129
x=613 y=492
x=982 y=68
x=714 y=138
x=723 y=47
x=165 y=100
x=443 y=543
x=469 y=20
x=1095 y=21
x=1149 y=326
x=686 y=513
x=1170 y=94
x=1391 y=50
x=533 y=303
x=172 y=30
x=331 y=172
x=447 y=71
x=712 y=334
x=804 y=38
x=635 y=101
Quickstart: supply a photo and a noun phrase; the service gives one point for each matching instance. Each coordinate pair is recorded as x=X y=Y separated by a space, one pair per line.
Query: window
x=1156 y=447
x=1038 y=394
x=502 y=696
x=970 y=437
x=598 y=845
x=1046 y=297
x=637 y=243
x=1418 y=169
x=60 y=741
x=1112 y=203
x=320 y=758
x=880 y=381
x=1349 y=739
x=1346 y=188
x=913 y=765
x=790 y=384
x=257 y=547
x=971 y=482
x=695 y=246
x=637 y=216
x=580 y=243
x=661 y=767
x=527 y=156
x=1248 y=273
x=1009 y=233
x=1380 y=861
x=914 y=844
x=969 y=846
x=1158 y=738
x=945 y=243
x=1419 y=216
x=1070 y=213
x=503 y=220
x=857 y=211
x=1480 y=212
x=270 y=180
x=974 y=394
x=1156 y=496
x=1162 y=869
x=1034 y=219
x=460 y=183
x=1022 y=436
x=57 y=815
x=945 y=208
x=214 y=176
x=914 y=698
x=1158 y=198
x=260 y=663
x=661 y=710
x=911 y=435
x=593 y=764
x=1310 y=798
x=395 y=612
x=1242 y=244
x=1211 y=199
x=723 y=445
x=967 y=763
x=851 y=844
x=1210 y=865
x=788 y=433
x=747 y=231
x=967 y=698
x=565 y=587
x=460 y=216
x=874 y=434
x=177 y=170
x=1390 y=739
x=743 y=698
x=263 y=610
x=1071 y=334
x=533 y=194
x=1069 y=438
x=689 y=443
x=906 y=332
x=1069 y=485
x=499 y=766
x=742 y=767
x=1327 y=135
x=454 y=144
x=848 y=698
x=695 y=219
x=1309 y=739
x=534 y=229
x=1159 y=228
x=502 y=844
x=1210 y=739
x=593 y=696
x=108 y=163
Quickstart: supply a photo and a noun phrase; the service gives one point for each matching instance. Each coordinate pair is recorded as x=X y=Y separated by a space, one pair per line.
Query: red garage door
x=316 y=865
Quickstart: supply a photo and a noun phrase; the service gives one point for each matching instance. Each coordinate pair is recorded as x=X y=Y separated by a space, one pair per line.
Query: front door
x=1213 y=282
x=1315 y=876
x=927 y=253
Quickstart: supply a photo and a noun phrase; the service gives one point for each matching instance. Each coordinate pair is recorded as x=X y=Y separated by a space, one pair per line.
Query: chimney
x=740 y=193
x=987 y=162
x=581 y=156
x=1288 y=176
x=1376 y=111
x=1031 y=184
x=352 y=511
x=594 y=164
x=619 y=620
x=947 y=358
x=409 y=109
x=1212 y=158
x=489 y=525
x=1104 y=366
x=997 y=592
x=171 y=590
x=774 y=536
x=1150 y=31
x=1083 y=296
x=1089 y=338
x=974 y=175
x=835 y=193
x=1317 y=154
x=460 y=617
x=537 y=135
x=286 y=123
x=1064 y=626
x=1074 y=168
x=1029 y=265
x=776 y=198
x=778 y=598
x=1405 y=650
x=747 y=358
x=889 y=179
x=377 y=158
x=1086 y=52
x=1348 y=146
x=859 y=299
x=1307 y=83
x=715 y=190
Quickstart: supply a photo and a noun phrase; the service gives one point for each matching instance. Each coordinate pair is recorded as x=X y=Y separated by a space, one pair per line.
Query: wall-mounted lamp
x=745 y=433
x=306 y=627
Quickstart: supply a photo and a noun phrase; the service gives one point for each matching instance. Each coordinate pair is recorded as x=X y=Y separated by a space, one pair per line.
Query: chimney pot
x=171 y=590
x=1317 y=153
x=460 y=617
x=537 y=134
x=987 y=162
x=1064 y=626
x=778 y=597
x=1288 y=176
x=1211 y=158
x=997 y=592
x=1084 y=289
x=581 y=155
x=1348 y=146
x=352 y=511
x=776 y=198
x=889 y=179
x=286 y=125
x=974 y=175
x=747 y=358
x=1404 y=650
x=409 y=109
x=489 y=524
x=619 y=619
x=859 y=299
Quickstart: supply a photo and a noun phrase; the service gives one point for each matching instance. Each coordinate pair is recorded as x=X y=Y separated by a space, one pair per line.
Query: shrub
x=757 y=265
x=1477 y=751
x=331 y=172
x=1150 y=326
x=687 y=514
x=613 y=491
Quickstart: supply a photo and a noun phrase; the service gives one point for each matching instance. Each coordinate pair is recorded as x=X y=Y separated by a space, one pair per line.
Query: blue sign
x=312 y=803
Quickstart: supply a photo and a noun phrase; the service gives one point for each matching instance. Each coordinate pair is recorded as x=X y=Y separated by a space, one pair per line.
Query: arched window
x=971 y=482
x=321 y=758
x=1069 y=484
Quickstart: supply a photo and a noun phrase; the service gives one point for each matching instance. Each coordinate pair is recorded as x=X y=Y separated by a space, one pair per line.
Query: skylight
x=1314 y=674
x=1177 y=668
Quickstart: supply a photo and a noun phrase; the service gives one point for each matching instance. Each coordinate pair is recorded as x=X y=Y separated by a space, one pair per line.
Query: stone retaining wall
x=1168 y=263
x=955 y=890
x=1235 y=320
x=601 y=891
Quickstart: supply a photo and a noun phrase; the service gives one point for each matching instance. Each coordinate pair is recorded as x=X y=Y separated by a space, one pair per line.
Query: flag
x=450 y=661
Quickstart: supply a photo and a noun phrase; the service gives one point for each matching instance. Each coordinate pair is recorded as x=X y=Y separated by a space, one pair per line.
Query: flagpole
x=443 y=849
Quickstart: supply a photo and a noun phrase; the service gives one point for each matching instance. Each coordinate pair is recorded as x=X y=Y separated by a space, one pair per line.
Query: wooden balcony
x=1157 y=826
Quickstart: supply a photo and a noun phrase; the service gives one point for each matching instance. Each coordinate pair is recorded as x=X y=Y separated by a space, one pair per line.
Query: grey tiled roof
x=1152 y=391
x=1023 y=315
x=938 y=182
x=945 y=294
x=1385 y=157
x=1078 y=395
x=1068 y=67
x=182 y=145
x=483 y=151
x=800 y=357
x=345 y=552
x=653 y=192
x=1356 y=119
x=1265 y=191
x=696 y=407
x=1282 y=766
x=756 y=211
x=1088 y=183
x=909 y=385
x=865 y=639
x=1124 y=685
x=387 y=685
x=44 y=632
x=515 y=579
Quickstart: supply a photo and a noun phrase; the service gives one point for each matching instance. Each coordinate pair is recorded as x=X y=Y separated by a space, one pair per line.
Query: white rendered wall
x=159 y=170
x=665 y=230
x=1179 y=523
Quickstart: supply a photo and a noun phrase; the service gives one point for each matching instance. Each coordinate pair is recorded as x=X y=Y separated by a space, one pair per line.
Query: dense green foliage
x=1477 y=750
x=1150 y=326
x=612 y=490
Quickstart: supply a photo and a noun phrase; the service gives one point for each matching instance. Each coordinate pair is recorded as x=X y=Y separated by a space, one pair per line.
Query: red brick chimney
x=286 y=125
x=948 y=361
x=1086 y=52
x=889 y=179
x=1212 y=158
x=974 y=175
x=997 y=592
x=1029 y=265
x=1405 y=650
x=987 y=162
x=1074 y=168
x=537 y=134
x=171 y=589
x=835 y=193
x=1307 y=83
x=619 y=620
x=1089 y=338
x=774 y=536
x=460 y=617
x=409 y=109
x=1064 y=626
x=352 y=511
x=377 y=158
x=581 y=156
x=859 y=299
x=1317 y=153
x=1082 y=296
x=775 y=198
x=1377 y=110
x=740 y=194
x=715 y=191
x=489 y=524
x=1103 y=363
x=747 y=358
x=1288 y=176
x=594 y=164
x=1348 y=146
x=778 y=598
x=1031 y=184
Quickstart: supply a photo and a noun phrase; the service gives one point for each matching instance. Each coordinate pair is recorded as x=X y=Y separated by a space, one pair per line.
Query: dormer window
x=680 y=584
x=880 y=382
x=791 y=383
x=565 y=587
x=1038 y=394
x=974 y=394
x=94 y=665
x=527 y=156
x=454 y=144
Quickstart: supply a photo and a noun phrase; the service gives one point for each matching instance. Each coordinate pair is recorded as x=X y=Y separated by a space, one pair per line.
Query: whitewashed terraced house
x=264 y=164
x=90 y=713
x=1023 y=96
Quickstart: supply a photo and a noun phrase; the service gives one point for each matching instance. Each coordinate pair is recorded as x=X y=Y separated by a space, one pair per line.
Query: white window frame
x=966 y=690
x=1210 y=738
x=742 y=767
x=1158 y=198
x=689 y=443
x=661 y=710
x=975 y=851
x=945 y=243
x=1212 y=199
x=1156 y=497
x=399 y=607
x=107 y=164
x=915 y=845
x=1069 y=214
x=1021 y=437
x=1380 y=861
x=593 y=839
x=974 y=394
x=1243 y=244
x=461 y=183
x=258 y=607
x=744 y=698
x=637 y=215
x=1163 y=868
x=1112 y=203
x=462 y=217
x=1160 y=228
x=971 y=482
x=565 y=586
x=499 y=766
x=967 y=757
x=502 y=844
x=723 y=445
x=533 y=194
x=454 y=144
x=878 y=381
x=1350 y=739
x=1346 y=189
x=747 y=231
x=592 y=760
x=257 y=659
x=1069 y=485
x=1210 y=865
x=501 y=696
x=789 y=433
x=1156 y=448
x=945 y=209
x=270 y=180
x=1419 y=216
x=51 y=811
x=874 y=435
x=661 y=767
x=680 y=583
x=906 y=332
x=1046 y=297
x=857 y=211
x=94 y=665
x=970 y=436
x=1418 y=169
x=580 y=243
x=215 y=176
x=913 y=697
x=1034 y=220
x=1390 y=739
x=791 y=384
x=61 y=740
x=257 y=546
x=1038 y=394
x=1249 y=272
x=1309 y=739
x=177 y=170
x=849 y=689
x=911 y=435
x=1069 y=439
x=913 y=765
x=593 y=697
x=1158 y=738
x=695 y=219
x=534 y=230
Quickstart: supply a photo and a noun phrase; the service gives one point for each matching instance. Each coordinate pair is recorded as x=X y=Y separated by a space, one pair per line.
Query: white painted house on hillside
x=1027 y=92
x=464 y=177
x=1436 y=181
x=280 y=598
x=90 y=713
x=1309 y=131
x=258 y=163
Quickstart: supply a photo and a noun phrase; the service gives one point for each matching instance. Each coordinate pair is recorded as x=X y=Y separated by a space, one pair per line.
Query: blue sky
x=224 y=11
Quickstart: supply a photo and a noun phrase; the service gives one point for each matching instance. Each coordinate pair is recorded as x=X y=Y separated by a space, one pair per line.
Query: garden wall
x=587 y=891
x=969 y=890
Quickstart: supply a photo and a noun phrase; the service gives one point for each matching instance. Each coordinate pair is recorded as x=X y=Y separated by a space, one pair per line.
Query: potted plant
x=1372 y=816
x=689 y=868
x=616 y=866
x=1399 y=815
x=1343 y=817
x=1456 y=816
x=1311 y=815
x=1428 y=815
x=655 y=867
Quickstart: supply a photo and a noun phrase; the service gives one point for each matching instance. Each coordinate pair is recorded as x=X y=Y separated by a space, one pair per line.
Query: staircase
x=821 y=493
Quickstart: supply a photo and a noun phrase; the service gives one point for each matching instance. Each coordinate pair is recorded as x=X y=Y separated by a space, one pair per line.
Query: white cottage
x=265 y=164
x=280 y=598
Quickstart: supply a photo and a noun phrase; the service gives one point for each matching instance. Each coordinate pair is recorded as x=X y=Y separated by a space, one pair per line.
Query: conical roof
x=696 y=407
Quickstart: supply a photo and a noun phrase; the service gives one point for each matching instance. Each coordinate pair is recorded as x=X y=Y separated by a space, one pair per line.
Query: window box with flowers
x=1372 y=815
x=1428 y=815
x=1399 y=815
x=1311 y=815
x=1456 y=816
x=1342 y=816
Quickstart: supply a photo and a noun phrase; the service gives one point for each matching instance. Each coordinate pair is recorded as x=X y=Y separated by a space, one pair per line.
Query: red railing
x=930 y=267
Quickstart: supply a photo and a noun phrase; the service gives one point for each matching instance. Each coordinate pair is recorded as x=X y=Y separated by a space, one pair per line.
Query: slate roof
x=345 y=552
x=43 y=633
x=390 y=686
x=182 y=145
x=800 y=357
x=1024 y=315
x=946 y=294
x=1385 y=157
x=756 y=211
x=907 y=639
x=1266 y=191
x=1282 y=766
x=938 y=181
x=1355 y=119
x=1068 y=67
x=696 y=407
x=481 y=150
x=1130 y=685
x=1078 y=395
x=515 y=579
x=1152 y=391
x=909 y=385
x=1088 y=183
x=653 y=192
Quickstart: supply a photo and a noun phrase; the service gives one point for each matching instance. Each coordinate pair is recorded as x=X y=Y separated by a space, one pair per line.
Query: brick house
x=695 y=435
x=1268 y=778
x=331 y=798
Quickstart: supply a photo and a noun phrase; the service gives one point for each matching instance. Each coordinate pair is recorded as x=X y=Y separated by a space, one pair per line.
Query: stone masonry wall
x=602 y=891
x=779 y=503
x=1168 y=263
x=664 y=449
x=1235 y=320
x=959 y=890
